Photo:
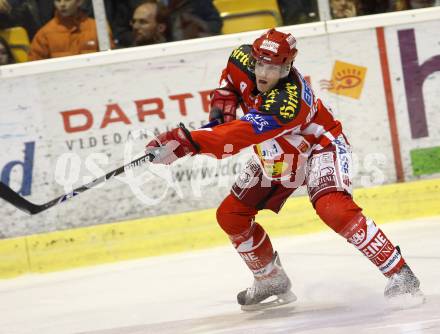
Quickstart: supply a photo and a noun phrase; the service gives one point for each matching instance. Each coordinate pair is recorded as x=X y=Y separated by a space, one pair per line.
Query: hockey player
x=296 y=141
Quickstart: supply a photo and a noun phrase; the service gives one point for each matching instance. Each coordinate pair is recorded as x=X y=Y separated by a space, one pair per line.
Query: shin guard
x=374 y=244
x=255 y=249
x=344 y=216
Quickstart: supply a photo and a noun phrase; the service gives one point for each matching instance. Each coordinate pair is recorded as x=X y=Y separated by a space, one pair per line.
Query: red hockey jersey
x=284 y=124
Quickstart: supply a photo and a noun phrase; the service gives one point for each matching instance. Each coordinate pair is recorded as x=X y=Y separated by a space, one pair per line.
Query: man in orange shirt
x=70 y=32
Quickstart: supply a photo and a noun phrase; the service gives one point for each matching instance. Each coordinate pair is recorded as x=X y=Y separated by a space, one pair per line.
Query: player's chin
x=262 y=88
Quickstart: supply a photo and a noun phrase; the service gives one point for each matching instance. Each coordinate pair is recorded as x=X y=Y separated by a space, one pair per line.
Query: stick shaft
x=23 y=204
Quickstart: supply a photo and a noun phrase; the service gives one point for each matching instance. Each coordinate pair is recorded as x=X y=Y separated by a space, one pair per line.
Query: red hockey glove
x=172 y=145
x=223 y=105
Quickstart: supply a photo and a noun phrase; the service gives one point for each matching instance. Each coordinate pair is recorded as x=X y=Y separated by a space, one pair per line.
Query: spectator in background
x=6 y=56
x=344 y=8
x=20 y=13
x=187 y=19
x=396 y=5
x=193 y=19
x=120 y=14
x=46 y=9
x=70 y=32
x=149 y=23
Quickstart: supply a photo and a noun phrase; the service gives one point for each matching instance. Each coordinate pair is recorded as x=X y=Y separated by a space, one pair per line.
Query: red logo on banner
x=81 y=119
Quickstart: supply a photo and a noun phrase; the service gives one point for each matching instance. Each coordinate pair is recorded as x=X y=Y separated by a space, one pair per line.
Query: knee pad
x=337 y=210
x=235 y=217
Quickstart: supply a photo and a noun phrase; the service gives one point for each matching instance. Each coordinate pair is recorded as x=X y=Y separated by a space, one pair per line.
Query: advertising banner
x=61 y=129
x=415 y=73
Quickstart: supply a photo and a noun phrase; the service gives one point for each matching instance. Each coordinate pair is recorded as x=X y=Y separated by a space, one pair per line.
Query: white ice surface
x=339 y=291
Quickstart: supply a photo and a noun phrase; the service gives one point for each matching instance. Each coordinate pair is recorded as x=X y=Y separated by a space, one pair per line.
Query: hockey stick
x=23 y=204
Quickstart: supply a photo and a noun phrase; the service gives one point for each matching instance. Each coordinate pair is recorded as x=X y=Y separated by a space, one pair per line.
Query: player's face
x=267 y=76
x=67 y=7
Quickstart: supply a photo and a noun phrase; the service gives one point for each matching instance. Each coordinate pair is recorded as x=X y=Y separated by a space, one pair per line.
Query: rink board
x=66 y=121
x=196 y=230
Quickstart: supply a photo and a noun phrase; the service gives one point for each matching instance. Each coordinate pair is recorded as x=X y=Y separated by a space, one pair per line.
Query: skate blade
x=281 y=299
x=406 y=301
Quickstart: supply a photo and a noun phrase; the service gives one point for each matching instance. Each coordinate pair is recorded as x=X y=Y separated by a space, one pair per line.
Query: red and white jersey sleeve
x=229 y=138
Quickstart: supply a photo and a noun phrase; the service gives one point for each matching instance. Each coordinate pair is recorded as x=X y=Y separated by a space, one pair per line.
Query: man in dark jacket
x=188 y=19
x=193 y=19
x=20 y=13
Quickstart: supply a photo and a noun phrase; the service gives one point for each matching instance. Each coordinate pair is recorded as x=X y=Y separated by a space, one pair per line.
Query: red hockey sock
x=339 y=211
x=374 y=244
x=248 y=237
x=255 y=249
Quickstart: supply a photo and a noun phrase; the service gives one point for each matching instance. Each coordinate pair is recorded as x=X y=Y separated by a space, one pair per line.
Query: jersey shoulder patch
x=284 y=100
x=241 y=57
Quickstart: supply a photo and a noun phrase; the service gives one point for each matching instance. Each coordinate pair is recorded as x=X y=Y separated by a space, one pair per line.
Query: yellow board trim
x=196 y=230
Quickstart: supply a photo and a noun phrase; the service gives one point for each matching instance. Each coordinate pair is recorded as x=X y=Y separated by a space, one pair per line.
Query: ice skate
x=403 y=282
x=276 y=285
x=403 y=289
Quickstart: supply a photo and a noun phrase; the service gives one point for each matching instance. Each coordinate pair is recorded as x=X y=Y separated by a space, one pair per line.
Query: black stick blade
x=18 y=201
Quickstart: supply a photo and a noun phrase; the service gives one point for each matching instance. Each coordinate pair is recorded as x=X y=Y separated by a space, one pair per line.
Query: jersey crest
x=284 y=101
